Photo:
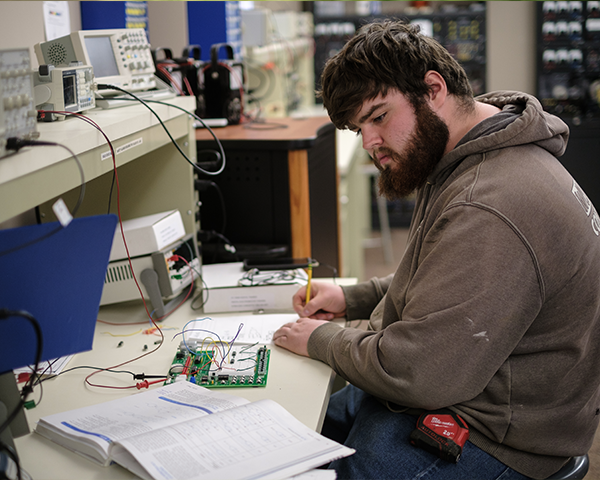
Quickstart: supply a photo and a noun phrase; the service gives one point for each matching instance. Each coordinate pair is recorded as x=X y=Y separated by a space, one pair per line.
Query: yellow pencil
x=308 y=284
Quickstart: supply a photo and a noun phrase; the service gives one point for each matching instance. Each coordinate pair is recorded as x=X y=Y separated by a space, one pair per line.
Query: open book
x=184 y=431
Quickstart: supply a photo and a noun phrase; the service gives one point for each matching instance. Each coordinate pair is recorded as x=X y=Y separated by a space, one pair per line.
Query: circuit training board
x=220 y=366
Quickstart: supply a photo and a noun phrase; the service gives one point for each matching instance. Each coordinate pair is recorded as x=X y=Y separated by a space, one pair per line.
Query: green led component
x=245 y=366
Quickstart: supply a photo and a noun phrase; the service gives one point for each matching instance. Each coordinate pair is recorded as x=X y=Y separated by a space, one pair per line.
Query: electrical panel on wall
x=462 y=31
x=568 y=58
x=463 y=35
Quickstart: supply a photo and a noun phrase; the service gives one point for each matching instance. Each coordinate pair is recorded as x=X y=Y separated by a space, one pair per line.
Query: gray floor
x=376 y=266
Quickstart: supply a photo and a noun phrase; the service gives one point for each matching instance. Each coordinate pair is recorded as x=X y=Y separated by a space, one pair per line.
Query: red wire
x=91 y=122
x=174 y=84
x=147 y=353
x=146 y=384
x=188 y=86
x=185 y=79
x=159 y=330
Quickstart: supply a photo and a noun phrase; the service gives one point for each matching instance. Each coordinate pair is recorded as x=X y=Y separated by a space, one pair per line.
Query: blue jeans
x=380 y=438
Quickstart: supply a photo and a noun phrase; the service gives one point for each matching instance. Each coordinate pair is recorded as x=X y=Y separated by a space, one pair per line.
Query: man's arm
x=327 y=302
x=294 y=336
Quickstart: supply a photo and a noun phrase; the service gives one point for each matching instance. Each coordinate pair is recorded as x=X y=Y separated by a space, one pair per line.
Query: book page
x=102 y=424
x=260 y=439
x=315 y=474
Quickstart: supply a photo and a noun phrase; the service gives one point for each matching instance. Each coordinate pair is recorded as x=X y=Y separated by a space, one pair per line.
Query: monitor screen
x=69 y=93
x=101 y=56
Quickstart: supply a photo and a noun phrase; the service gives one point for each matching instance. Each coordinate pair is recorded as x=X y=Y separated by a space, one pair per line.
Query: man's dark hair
x=383 y=56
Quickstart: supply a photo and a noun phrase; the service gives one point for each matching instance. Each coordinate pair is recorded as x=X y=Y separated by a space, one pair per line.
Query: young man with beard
x=493 y=311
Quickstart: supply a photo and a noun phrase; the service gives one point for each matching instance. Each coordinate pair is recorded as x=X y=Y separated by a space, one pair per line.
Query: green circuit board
x=218 y=367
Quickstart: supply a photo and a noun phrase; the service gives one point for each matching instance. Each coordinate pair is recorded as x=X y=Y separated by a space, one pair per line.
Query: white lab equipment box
x=145 y=235
x=228 y=288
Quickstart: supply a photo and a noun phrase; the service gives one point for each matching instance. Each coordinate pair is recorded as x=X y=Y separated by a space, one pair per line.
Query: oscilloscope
x=17 y=108
x=69 y=89
x=120 y=57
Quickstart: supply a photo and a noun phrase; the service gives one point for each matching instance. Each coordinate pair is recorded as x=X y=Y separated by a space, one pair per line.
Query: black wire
x=12 y=453
x=28 y=387
x=219 y=154
x=145 y=103
x=112 y=187
x=32 y=242
x=100 y=369
x=97 y=127
x=43 y=143
x=333 y=269
x=36 y=143
x=202 y=290
x=192 y=254
x=201 y=296
x=40 y=376
x=255 y=277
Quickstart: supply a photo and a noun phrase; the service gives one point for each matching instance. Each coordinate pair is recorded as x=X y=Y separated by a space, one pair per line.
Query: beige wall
x=511 y=46
x=168 y=26
x=22 y=24
x=510 y=34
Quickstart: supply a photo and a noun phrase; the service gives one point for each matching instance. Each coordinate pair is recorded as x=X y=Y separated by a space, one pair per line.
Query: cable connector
x=146 y=383
x=143 y=376
x=204 y=185
x=16 y=144
x=26 y=390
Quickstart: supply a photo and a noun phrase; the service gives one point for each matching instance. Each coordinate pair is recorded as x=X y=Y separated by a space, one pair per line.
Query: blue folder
x=55 y=274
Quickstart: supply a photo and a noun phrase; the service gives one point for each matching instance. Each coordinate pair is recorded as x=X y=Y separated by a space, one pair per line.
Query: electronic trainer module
x=18 y=116
x=220 y=365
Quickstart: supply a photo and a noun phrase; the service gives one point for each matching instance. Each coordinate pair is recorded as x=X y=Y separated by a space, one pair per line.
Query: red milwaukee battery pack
x=441 y=432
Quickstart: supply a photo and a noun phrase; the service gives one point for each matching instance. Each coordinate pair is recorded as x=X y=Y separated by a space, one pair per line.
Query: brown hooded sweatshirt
x=494 y=309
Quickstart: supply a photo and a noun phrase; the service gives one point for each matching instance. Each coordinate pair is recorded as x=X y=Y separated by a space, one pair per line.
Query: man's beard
x=409 y=170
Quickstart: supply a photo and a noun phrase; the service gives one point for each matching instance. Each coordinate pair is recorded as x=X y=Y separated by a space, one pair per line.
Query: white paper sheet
x=57 y=21
x=255 y=328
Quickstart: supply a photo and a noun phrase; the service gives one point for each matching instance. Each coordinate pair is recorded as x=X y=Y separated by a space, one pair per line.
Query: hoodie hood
x=532 y=125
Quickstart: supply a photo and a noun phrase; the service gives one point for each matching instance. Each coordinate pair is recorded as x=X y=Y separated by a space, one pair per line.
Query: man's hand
x=327 y=301
x=294 y=336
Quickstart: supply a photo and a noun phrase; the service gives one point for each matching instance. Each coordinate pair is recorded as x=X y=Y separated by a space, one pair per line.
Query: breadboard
x=218 y=366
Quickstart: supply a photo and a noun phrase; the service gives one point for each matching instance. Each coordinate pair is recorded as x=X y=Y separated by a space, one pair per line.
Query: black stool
x=575 y=469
